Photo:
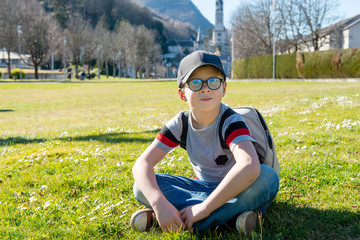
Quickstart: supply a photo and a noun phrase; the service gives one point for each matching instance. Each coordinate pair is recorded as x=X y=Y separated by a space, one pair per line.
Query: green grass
x=67 y=149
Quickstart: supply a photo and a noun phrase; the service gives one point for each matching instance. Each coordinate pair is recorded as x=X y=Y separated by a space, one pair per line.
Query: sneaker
x=246 y=221
x=142 y=220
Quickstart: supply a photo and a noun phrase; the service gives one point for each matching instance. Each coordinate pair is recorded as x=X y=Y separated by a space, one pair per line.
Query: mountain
x=180 y=10
x=113 y=11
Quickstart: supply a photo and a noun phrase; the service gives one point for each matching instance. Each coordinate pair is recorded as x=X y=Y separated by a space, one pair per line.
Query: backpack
x=264 y=145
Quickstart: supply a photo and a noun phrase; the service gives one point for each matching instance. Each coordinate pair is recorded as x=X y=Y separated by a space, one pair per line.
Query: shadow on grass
x=6 y=110
x=21 y=140
x=286 y=221
x=290 y=222
x=122 y=137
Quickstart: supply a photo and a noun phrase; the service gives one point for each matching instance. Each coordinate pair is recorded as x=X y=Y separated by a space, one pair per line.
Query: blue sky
x=347 y=8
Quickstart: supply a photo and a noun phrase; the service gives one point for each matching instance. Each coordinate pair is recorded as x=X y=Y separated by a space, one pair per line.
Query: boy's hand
x=193 y=213
x=169 y=218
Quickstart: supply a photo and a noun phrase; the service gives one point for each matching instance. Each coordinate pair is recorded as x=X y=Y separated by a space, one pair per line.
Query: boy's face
x=205 y=99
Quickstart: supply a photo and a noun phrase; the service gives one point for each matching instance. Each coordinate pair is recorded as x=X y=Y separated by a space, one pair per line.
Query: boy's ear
x=182 y=94
x=224 y=88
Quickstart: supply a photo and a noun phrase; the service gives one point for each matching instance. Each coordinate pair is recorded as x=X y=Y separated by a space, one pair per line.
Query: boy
x=230 y=183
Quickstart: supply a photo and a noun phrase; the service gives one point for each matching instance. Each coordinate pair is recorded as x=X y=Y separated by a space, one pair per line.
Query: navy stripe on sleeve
x=166 y=137
x=234 y=130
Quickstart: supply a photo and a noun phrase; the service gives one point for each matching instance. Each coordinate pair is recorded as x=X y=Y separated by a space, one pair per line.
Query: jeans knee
x=266 y=185
x=269 y=177
x=139 y=195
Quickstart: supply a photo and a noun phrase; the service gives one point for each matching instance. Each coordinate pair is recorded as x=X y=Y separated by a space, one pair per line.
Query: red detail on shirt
x=236 y=133
x=162 y=138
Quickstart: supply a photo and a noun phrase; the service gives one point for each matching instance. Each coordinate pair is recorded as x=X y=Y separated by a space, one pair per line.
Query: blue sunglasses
x=197 y=84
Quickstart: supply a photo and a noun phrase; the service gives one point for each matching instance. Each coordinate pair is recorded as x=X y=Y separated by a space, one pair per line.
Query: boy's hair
x=195 y=60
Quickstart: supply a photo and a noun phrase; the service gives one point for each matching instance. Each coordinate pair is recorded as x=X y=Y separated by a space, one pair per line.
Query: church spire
x=219 y=14
x=219 y=36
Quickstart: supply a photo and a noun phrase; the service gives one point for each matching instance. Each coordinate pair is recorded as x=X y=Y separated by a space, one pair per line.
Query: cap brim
x=188 y=74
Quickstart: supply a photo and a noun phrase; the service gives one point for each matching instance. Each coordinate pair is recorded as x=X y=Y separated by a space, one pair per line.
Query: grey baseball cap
x=195 y=60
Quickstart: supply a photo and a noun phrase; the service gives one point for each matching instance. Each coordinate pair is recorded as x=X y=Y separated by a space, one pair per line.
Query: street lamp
x=232 y=51
x=64 y=44
x=135 y=66
x=19 y=33
x=52 y=65
x=273 y=8
x=168 y=69
x=146 y=65
x=119 y=64
x=98 y=49
x=70 y=60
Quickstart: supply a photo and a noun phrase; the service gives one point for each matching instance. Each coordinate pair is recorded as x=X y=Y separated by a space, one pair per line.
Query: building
x=177 y=50
x=15 y=61
x=199 y=43
x=220 y=38
x=179 y=47
x=341 y=35
x=219 y=44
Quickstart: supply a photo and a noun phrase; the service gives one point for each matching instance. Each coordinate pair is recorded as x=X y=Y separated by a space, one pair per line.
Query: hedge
x=16 y=73
x=342 y=63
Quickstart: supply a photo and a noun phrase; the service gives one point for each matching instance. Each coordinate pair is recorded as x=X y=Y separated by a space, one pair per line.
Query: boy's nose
x=205 y=87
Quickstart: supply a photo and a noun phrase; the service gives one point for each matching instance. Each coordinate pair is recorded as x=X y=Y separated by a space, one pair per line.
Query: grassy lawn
x=67 y=149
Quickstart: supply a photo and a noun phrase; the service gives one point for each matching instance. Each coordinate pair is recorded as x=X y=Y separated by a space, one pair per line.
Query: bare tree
x=115 y=52
x=302 y=23
x=316 y=14
x=79 y=40
x=55 y=40
x=9 y=19
x=291 y=26
x=89 y=47
x=125 y=35
x=252 y=29
x=146 y=49
x=103 y=38
x=38 y=32
x=296 y=24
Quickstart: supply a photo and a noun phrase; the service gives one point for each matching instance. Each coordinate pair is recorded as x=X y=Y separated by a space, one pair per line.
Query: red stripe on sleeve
x=236 y=133
x=162 y=138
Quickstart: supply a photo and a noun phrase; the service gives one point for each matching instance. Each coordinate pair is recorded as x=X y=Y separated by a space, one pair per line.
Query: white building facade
x=15 y=60
x=341 y=35
x=351 y=35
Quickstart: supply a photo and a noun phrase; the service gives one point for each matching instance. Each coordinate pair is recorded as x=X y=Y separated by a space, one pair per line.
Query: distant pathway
x=302 y=80
x=174 y=79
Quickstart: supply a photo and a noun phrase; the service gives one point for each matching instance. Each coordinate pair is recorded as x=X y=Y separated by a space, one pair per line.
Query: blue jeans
x=183 y=192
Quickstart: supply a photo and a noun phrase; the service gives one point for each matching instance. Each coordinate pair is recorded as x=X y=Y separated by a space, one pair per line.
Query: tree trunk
x=107 y=68
x=36 y=71
x=8 y=65
x=125 y=70
x=114 y=69
x=89 y=68
x=76 y=70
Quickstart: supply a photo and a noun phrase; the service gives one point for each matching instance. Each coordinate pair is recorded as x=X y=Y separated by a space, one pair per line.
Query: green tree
x=61 y=11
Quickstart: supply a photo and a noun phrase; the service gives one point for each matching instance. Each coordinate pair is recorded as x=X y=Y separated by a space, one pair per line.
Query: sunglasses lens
x=195 y=84
x=214 y=83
